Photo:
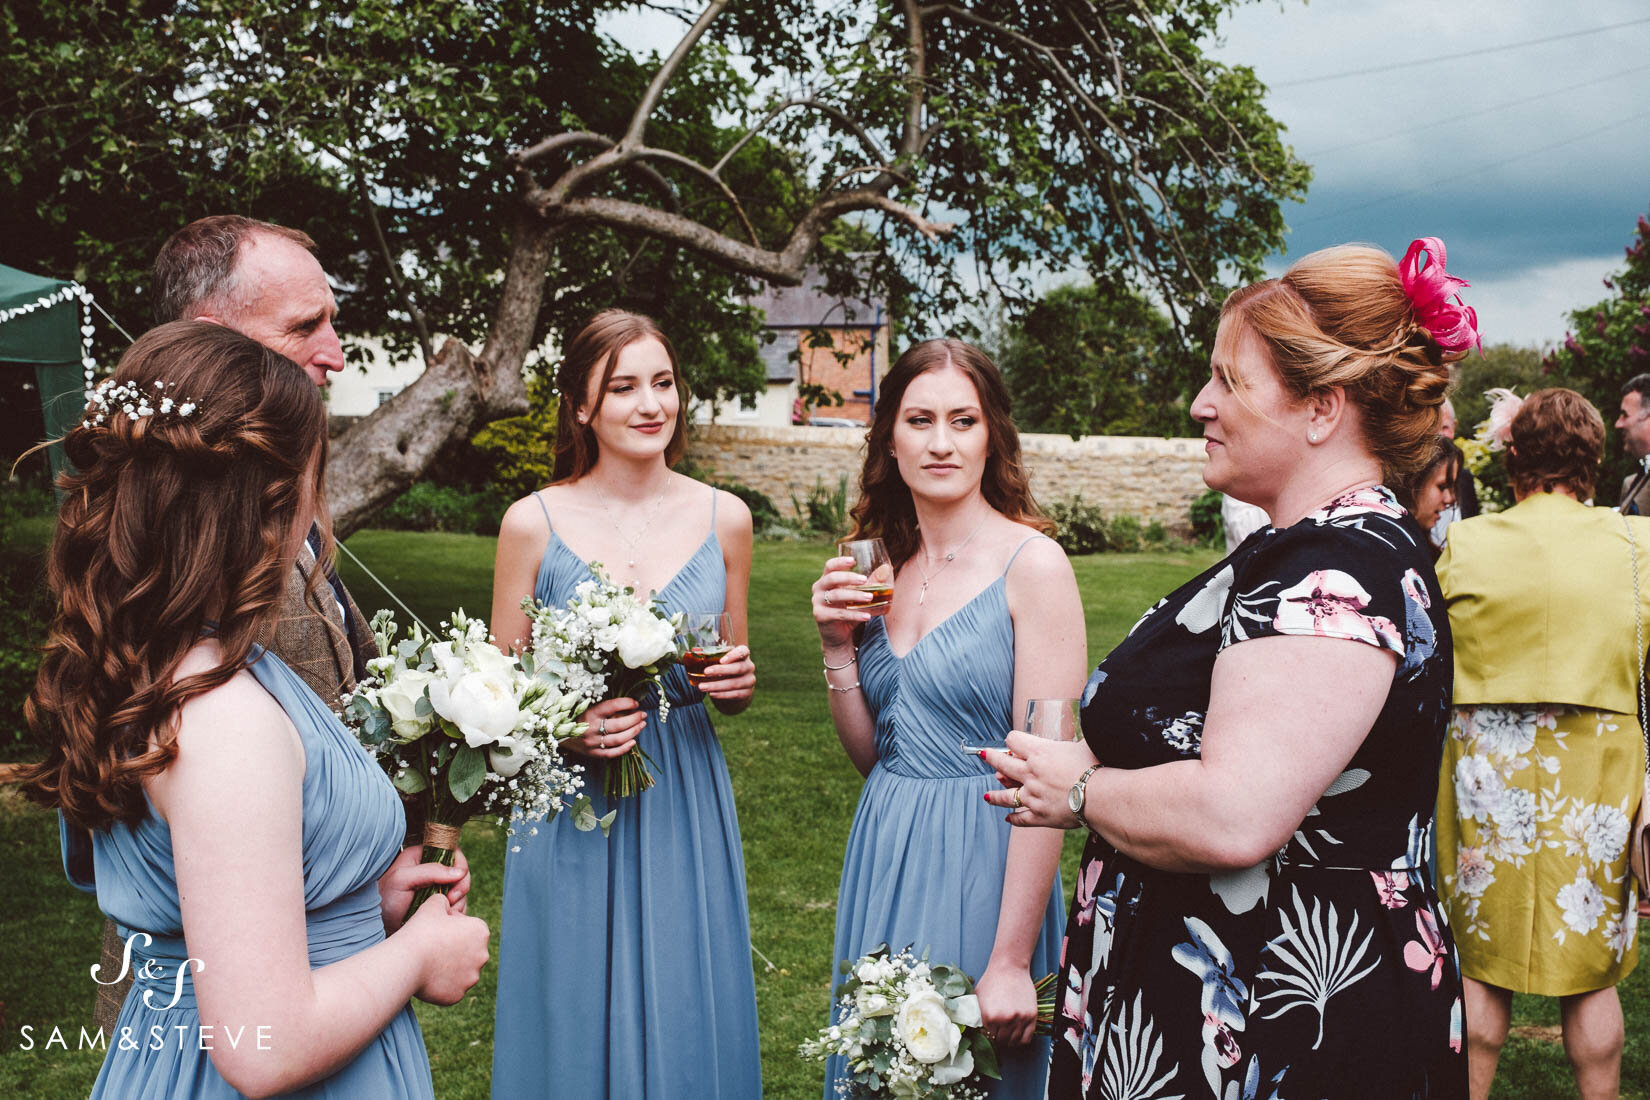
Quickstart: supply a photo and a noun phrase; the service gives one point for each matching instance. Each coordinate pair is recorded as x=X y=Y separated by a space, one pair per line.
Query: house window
x=747 y=408
x=385 y=395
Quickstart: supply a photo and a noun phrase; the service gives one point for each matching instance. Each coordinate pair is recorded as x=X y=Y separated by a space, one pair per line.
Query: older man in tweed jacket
x=263 y=280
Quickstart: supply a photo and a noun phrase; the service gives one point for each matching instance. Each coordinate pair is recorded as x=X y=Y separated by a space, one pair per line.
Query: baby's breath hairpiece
x=113 y=397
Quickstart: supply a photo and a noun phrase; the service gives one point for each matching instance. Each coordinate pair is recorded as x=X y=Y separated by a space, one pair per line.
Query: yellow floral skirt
x=1534 y=804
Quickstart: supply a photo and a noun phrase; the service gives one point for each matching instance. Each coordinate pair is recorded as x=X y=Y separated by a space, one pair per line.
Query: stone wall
x=1151 y=478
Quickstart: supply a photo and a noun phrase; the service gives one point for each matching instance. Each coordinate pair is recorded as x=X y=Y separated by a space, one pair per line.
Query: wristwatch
x=1079 y=790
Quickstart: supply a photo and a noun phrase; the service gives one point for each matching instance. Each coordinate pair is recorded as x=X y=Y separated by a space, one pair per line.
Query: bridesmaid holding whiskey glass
x=978 y=614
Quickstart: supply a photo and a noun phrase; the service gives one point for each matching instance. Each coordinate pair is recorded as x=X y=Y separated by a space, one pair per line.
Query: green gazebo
x=41 y=326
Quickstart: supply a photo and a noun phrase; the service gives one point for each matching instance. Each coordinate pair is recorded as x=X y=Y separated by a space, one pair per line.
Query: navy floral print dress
x=1328 y=970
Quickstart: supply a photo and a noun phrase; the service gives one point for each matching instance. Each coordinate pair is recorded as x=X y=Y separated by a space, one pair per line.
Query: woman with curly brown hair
x=984 y=616
x=1543 y=764
x=240 y=839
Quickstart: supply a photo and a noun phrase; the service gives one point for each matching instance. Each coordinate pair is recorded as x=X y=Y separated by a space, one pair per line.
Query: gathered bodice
x=700 y=585
x=955 y=686
x=353 y=823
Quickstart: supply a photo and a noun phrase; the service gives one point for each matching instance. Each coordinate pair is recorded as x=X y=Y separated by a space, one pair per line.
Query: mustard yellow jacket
x=1540 y=602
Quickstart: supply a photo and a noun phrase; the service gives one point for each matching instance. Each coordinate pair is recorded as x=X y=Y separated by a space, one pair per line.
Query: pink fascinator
x=1504 y=406
x=1429 y=287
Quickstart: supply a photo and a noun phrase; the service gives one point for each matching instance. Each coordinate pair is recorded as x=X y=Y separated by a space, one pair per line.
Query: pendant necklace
x=630 y=543
x=949 y=558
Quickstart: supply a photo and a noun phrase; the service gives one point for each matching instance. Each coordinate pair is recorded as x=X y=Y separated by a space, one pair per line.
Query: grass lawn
x=796 y=794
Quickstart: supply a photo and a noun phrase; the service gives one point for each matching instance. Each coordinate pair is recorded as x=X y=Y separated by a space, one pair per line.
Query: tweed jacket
x=1540 y=601
x=308 y=636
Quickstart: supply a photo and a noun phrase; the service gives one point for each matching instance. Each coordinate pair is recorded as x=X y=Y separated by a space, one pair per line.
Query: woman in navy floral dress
x=1253 y=915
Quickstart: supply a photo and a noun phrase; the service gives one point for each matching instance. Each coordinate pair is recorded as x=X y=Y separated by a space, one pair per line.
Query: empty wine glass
x=704 y=638
x=1052 y=719
x=870 y=559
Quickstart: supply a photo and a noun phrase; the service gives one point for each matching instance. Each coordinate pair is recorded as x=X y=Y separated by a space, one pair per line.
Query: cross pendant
x=922 y=593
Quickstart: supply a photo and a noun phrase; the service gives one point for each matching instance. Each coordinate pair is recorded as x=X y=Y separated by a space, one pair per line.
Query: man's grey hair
x=1639 y=384
x=195 y=269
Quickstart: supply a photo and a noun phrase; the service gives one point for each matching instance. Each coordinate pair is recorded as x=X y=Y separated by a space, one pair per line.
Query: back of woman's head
x=1556 y=441
x=884 y=509
x=592 y=354
x=190 y=469
x=1341 y=317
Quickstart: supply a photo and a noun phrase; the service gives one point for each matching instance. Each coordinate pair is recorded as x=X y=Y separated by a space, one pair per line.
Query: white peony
x=1505 y=731
x=1478 y=787
x=1582 y=903
x=644 y=638
x=1596 y=829
x=925 y=1027
x=1514 y=818
x=482 y=707
x=400 y=698
x=965 y=1010
x=487 y=659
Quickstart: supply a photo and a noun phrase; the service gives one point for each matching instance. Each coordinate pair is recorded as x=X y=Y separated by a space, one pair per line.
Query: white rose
x=867 y=972
x=508 y=754
x=868 y=1002
x=400 y=697
x=607 y=637
x=925 y=1028
x=643 y=639
x=482 y=707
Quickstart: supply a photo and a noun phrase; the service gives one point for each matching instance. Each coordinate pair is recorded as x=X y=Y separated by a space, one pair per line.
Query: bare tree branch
x=705 y=173
x=656 y=88
x=397 y=283
x=784 y=267
x=819 y=105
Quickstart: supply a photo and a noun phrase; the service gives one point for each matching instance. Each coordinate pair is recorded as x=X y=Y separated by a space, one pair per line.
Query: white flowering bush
x=468 y=730
x=608 y=643
x=910 y=1029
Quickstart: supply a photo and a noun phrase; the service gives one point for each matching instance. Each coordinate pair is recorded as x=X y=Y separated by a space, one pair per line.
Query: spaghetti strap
x=1022 y=546
x=546 y=511
x=713 y=495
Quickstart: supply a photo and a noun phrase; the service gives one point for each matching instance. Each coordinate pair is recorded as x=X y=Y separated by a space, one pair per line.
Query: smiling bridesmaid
x=624 y=961
x=984 y=616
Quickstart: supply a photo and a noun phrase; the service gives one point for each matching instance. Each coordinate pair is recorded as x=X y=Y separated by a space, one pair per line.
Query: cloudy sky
x=1528 y=157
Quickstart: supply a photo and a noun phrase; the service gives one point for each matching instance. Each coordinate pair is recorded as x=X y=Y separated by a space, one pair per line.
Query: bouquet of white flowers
x=910 y=1029
x=608 y=643
x=468 y=728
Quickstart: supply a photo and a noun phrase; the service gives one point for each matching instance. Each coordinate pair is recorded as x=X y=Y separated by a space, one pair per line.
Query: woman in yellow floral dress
x=1542 y=766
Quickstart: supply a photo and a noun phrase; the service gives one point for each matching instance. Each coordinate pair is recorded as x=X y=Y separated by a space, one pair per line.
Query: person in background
x=1240 y=519
x=1633 y=422
x=1465 y=502
x=1430 y=492
x=1544 y=762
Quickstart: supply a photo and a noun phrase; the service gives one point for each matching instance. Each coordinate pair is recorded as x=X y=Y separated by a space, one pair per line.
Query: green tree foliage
x=1090 y=361
x=1608 y=343
x=494 y=170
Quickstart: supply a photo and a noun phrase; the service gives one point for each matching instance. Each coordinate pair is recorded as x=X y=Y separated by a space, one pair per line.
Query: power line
x=1395 y=66
x=1434 y=184
x=1454 y=119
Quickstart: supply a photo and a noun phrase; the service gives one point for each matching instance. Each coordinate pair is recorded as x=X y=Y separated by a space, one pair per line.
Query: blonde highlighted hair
x=1340 y=317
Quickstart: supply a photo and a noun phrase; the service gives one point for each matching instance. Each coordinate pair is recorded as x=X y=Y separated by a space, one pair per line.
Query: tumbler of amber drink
x=703 y=640
x=870 y=560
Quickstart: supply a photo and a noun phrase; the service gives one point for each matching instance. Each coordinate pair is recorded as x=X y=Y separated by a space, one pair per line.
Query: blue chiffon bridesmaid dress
x=926 y=855
x=352 y=829
x=624 y=962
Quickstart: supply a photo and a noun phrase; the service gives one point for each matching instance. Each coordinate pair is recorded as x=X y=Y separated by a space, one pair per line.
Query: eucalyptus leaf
x=410 y=781
x=468 y=773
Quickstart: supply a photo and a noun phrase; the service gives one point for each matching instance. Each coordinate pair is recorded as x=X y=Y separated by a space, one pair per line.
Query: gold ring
x=1017 y=805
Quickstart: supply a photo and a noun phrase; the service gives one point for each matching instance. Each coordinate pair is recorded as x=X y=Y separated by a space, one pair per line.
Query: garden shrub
x=1208 y=528
x=824 y=511
x=429 y=507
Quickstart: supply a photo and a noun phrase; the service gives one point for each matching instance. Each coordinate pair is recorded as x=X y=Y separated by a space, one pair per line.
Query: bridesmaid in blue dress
x=244 y=844
x=624 y=961
x=985 y=616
